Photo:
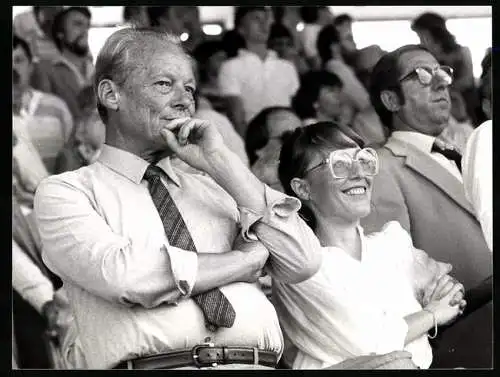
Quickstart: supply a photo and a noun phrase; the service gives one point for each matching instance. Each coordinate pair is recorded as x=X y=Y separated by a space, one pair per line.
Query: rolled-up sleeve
x=295 y=252
x=80 y=247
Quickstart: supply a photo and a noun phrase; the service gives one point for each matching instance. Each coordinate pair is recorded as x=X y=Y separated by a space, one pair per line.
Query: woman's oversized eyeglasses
x=426 y=74
x=342 y=164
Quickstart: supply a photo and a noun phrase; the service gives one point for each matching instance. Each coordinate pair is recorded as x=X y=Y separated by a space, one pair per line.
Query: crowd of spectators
x=258 y=84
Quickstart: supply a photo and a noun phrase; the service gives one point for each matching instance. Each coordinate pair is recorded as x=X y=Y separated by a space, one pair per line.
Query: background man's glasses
x=426 y=74
x=342 y=164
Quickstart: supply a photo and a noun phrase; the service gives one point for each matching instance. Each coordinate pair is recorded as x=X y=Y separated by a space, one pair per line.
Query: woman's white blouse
x=351 y=308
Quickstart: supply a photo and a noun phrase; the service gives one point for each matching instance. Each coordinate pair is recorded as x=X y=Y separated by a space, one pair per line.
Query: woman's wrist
x=434 y=323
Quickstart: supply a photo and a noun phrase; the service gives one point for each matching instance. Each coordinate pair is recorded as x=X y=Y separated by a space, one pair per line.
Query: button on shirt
x=424 y=143
x=259 y=83
x=103 y=236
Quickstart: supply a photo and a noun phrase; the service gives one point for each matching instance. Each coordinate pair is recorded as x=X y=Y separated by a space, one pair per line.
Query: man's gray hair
x=125 y=51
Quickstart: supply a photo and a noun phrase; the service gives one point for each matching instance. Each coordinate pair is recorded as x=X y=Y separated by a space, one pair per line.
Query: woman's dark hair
x=300 y=147
x=435 y=25
x=58 y=24
x=257 y=135
x=232 y=41
x=308 y=93
x=385 y=76
x=202 y=54
x=326 y=37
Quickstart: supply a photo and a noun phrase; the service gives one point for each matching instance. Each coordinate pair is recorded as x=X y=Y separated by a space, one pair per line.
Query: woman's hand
x=445 y=308
x=444 y=285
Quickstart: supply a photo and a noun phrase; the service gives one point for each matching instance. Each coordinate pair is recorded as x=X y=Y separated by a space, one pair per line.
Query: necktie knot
x=151 y=172
x=449 y=152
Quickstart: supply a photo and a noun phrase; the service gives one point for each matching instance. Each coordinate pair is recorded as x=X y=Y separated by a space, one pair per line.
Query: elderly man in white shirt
x=158 y=261
x=257 y=78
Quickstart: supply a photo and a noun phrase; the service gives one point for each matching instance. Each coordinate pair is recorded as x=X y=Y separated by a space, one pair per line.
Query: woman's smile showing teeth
x=355 y=191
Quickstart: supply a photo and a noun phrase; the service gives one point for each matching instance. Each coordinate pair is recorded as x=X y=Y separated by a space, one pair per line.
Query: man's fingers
x=171 y=139
x=456 y=289
x=176 y=123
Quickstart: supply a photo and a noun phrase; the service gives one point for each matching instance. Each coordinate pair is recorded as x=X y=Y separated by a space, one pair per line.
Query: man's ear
x=301 y=188
x=390 y=100
x=108 y=95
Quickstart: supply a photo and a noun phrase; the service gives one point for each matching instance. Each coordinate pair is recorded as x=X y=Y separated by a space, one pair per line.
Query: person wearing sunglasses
x=420 y=185
x=373 y=293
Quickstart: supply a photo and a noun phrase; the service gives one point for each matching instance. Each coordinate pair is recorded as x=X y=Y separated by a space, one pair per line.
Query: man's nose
x=181 y=99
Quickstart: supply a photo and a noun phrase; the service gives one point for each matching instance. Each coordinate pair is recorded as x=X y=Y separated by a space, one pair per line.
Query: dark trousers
x=467 y=343
x=29 y=327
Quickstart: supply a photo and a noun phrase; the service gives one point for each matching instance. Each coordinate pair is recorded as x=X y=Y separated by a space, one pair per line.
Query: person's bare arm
x=236 y=114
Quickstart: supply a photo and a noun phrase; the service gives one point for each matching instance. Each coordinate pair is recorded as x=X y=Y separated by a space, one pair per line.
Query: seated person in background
x=433 y=33
x=263 y=142
x=209 y=57
x=281 y=41
x=35 y=27
x=321 y=98
x=46 y=117
x=232 y=42
x=85 y=144
x=332 y=60
x=374 y=293
x=257 y=78
x=69 y=73
x=343 y=25
x=314 y=18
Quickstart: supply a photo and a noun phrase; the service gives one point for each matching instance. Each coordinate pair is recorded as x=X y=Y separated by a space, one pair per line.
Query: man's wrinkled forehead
x=410 y=60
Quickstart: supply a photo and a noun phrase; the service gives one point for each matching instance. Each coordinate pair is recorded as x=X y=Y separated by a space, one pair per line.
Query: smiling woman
x=372 y=294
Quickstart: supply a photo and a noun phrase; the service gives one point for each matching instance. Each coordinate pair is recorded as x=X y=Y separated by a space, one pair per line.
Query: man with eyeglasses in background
x=420 y=185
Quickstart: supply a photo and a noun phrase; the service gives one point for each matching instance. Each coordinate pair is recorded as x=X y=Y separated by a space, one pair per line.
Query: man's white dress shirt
x=102 y=234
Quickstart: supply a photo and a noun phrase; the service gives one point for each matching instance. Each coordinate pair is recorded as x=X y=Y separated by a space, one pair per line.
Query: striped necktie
x=216 y=308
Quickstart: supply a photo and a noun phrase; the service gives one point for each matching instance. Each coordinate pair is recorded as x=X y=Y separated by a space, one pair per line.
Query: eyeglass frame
x=433 y=73
x=327 y=161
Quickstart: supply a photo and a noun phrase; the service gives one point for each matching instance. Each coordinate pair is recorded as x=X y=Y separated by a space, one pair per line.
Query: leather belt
x=203 y=355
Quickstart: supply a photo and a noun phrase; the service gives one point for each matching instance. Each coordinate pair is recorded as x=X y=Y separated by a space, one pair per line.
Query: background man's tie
x=216 y=307
x=449 y=152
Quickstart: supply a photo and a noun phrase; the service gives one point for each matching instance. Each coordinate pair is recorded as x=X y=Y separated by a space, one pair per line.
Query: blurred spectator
x=365 y=61
x=192 y=25
x=85 y=144
x=433 y=33
x=209 y=57
x=136 y=16
x=289 y=17
x=73 y=70
x=281 y=41
x=264 y=139
x=485 y=83
x=46 y=117
x=321 y=98
x=314 y=18
x=477 y=164
x=343 y=24
x=170 y=18
x=256 y=78
x=332 y=60
x=232 y=42
x=34 y=26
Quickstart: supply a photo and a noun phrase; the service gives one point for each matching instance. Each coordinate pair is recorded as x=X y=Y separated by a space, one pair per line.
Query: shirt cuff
x=184 y=265
x=278 y=205
x=40 y=296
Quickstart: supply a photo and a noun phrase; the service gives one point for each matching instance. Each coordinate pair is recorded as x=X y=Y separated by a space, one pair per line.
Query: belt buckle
x=194 y=354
